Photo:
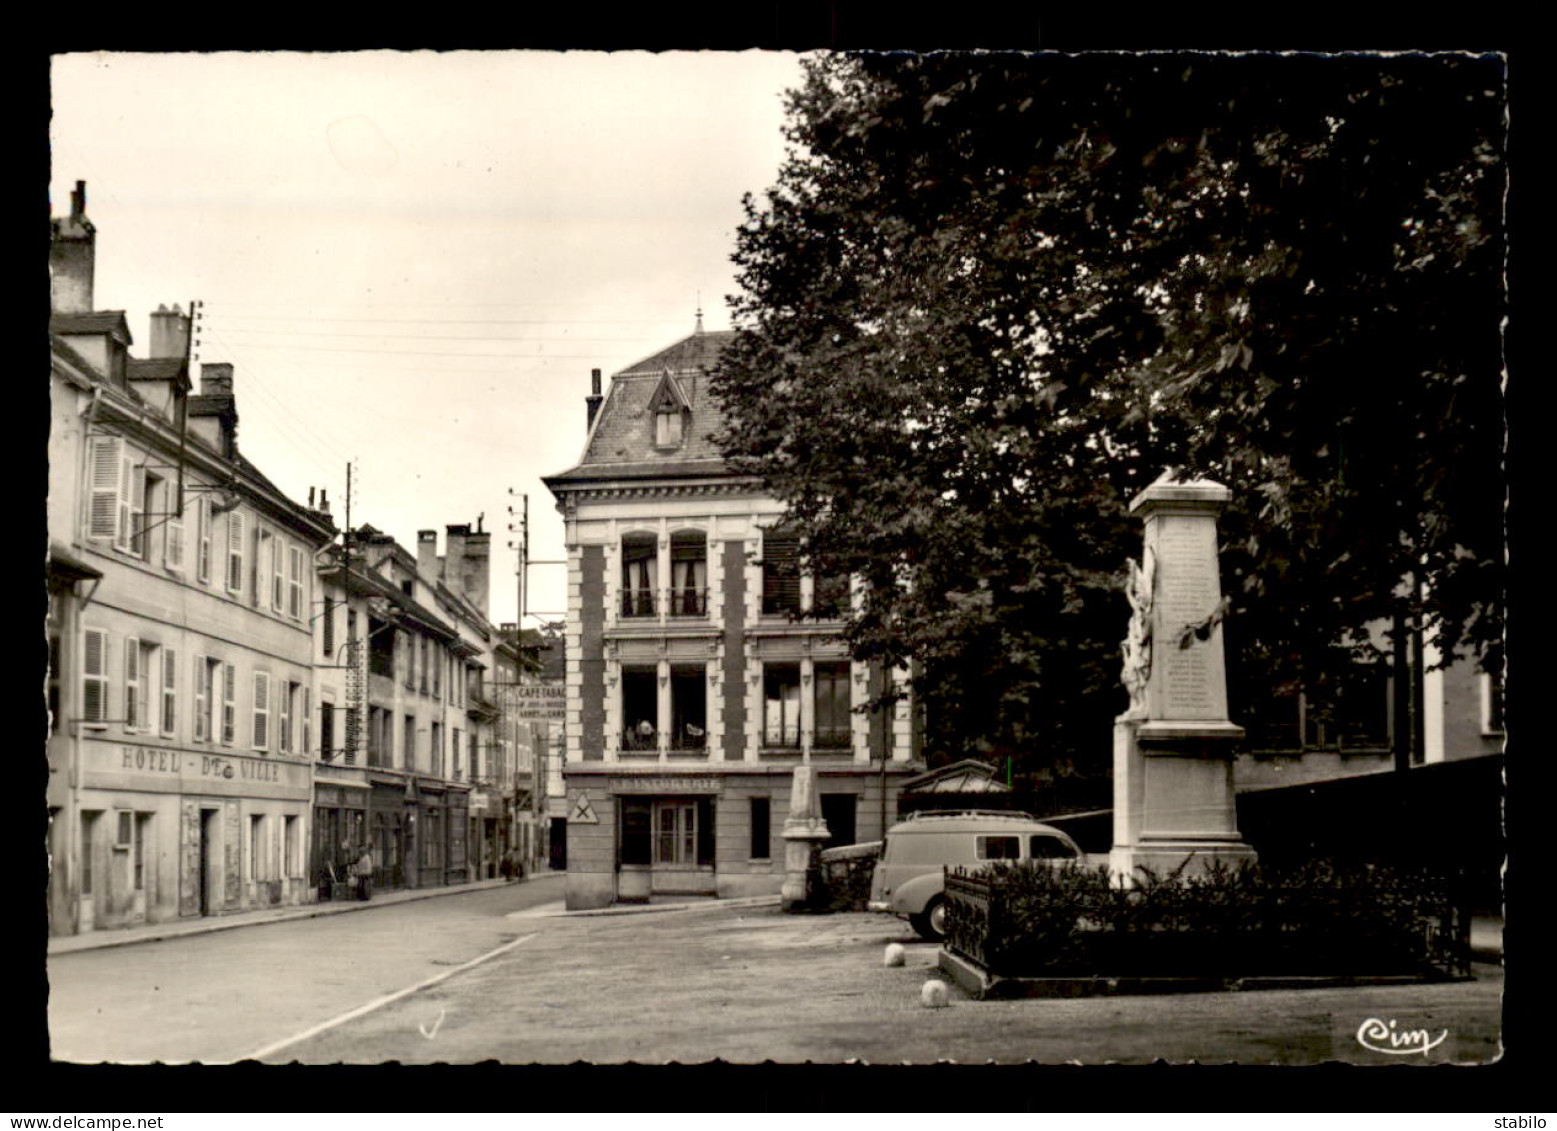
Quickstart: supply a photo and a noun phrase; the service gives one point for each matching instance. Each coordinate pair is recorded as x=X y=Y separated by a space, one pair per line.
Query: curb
x=104 y=940
x=651 y=908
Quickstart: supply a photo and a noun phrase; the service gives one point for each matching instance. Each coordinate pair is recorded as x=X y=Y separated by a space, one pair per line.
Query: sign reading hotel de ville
x=105 y=766
x=539 y=701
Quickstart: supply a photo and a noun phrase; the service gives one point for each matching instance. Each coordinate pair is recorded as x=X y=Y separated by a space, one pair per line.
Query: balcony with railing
x=832 y=739
x=639 y=604
x=687 y=603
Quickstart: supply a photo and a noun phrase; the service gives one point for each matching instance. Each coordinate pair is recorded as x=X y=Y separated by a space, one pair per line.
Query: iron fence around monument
x=1027 y=919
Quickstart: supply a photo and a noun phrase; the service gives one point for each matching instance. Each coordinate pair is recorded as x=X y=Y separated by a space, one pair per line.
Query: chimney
x=475 y=571
x=169 y=332
x=216 y=379
x=72 y=258
x=427 y=554
x=594 y=398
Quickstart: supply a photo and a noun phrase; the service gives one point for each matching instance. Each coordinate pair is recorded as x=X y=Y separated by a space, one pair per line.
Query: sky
x=414 y=259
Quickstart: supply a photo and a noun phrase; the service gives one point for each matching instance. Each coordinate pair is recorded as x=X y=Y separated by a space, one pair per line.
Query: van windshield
x=1043 y=847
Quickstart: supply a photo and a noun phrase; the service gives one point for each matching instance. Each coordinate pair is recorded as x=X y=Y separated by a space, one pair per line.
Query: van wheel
x=931 y=922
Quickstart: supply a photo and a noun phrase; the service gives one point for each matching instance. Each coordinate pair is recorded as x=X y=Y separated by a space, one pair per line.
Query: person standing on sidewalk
x=365 y=874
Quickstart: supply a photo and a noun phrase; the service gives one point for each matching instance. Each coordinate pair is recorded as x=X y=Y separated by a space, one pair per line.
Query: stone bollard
x=894 y=955
x=933 y=994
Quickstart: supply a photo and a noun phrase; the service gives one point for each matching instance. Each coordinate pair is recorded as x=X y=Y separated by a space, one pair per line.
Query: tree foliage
x=991 y=297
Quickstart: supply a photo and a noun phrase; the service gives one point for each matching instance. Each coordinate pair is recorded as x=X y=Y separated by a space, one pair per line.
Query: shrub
x=1319 y=918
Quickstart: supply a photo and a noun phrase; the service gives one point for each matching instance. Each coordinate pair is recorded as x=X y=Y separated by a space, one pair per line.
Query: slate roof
x=159 y=368
x=621 y=444
x=92 y=322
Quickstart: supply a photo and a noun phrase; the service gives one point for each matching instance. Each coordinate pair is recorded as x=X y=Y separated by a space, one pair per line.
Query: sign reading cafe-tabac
x=538 y=701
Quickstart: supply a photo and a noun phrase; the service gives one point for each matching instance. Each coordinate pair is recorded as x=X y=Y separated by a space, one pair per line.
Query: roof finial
x=699 y=329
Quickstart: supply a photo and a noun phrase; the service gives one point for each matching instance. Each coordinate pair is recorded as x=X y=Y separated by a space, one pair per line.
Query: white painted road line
x=378 y=1003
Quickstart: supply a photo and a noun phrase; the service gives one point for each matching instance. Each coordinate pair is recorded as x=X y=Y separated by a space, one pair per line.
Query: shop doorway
x=667 y=846
x=208 y=859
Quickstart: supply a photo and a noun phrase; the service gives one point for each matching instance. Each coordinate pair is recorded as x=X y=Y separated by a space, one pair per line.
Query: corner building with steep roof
x=701 y=667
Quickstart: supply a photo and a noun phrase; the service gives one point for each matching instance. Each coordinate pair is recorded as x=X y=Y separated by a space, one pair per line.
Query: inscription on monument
x=1188 y=589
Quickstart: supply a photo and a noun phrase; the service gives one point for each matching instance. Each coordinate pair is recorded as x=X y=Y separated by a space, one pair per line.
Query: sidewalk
x=179 y=928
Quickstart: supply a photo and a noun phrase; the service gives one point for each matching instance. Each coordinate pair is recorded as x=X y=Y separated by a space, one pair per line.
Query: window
x=256 y=851
x=839 y=810
x=1492 y=703
x=410 y=660
x=205 y=669
x=290 y=846
x=830 y=596
x=54 y=674
x=138 y=851
x=286 y=710
x=235 y=553
x=169 y=692
x=1042 y=847
x=426 y=648
x=761 y=829
x=308 y=707
x=88 y=848
x=668 y=428
x=475 y=757
x=1345 y=710
x=637 y=825
x=688 y=573
x=144 y=486
x=327 y=628
x=688 y=708
x=781 y=705
x=94 y=676
x=261 y=710
x=203 y=538
x=675 y=832
x=833 y=731
x=278 y=579
x=173 y=536
x=780 y=573
x=437 y=749
x=229 y=704
x=410 y=742
x=327 y=730
x=437 y=671
x=381 y=649
x=998 y=847
x=640 y=569
x=134 y=693
x=640 y=709
x=263 y=562
x=458 y=752
x=108 y=514
x=125 y=828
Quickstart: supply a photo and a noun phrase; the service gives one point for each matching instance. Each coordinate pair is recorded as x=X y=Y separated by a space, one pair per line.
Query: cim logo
x=1376 y=1035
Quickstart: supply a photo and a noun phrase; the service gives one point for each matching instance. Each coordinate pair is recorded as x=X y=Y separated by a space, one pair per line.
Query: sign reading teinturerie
x=539 y=701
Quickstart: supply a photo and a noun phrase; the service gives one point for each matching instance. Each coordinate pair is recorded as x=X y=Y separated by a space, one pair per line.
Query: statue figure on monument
x=1137 y=644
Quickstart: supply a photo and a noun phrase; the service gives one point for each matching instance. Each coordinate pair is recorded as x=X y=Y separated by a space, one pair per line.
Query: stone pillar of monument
x=1173 y=749
x=804 y=834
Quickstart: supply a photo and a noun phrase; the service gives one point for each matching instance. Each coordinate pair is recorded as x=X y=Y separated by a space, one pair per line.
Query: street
x=739 y=983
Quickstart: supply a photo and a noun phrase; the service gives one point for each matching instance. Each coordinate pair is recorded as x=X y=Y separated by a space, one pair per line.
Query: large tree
x=991 y=297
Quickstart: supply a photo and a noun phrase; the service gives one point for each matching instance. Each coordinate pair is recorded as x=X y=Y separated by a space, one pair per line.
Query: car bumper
x=878 y=905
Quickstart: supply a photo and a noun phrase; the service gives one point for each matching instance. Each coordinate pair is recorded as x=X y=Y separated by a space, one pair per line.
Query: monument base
x=1163 y=857
x=802 y=868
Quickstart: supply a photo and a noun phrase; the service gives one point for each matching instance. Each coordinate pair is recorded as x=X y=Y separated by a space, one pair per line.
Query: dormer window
x=667 y=428
x=668 y=405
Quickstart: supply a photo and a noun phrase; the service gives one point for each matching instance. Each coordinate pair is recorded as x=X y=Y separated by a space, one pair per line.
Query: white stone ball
x=895 y=955
x=933 y=994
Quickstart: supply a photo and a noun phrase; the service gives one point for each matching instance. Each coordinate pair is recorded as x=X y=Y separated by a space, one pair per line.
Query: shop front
x=165 y=833
x=340 y=831
x=390 y=821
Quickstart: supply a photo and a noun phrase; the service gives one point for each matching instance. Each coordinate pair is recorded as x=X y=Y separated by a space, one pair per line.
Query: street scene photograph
x=834 y=558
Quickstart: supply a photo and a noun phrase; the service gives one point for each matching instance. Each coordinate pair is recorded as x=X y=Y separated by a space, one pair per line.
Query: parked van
x=909 y=878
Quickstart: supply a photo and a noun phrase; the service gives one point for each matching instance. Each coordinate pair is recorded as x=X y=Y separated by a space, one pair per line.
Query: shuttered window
x=235 y=552
x=780 y=573
x=229 y=704
x=308 y=718
x=278 y=581
x=94 y=676
x=169 y=691
x=202 y=699
x=173 y=548
x=107 y=467
x=295 y=582
x=284 y=723
x=203 y=536
x=132 y=683
x=261 y=710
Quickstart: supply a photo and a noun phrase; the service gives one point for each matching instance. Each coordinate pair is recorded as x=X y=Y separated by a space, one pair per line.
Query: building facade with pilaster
x=702 y=663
